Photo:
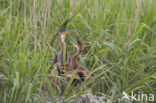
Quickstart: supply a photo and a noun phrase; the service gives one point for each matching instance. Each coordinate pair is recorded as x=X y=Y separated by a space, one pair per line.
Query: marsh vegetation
x=119 y=39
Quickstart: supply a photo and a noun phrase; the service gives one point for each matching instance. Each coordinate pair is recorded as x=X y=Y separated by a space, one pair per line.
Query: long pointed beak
x=73 y=44
x=65 y=33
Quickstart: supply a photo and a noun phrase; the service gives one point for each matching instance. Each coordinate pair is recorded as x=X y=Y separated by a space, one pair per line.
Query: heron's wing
x=55 y=59
x=68 y=58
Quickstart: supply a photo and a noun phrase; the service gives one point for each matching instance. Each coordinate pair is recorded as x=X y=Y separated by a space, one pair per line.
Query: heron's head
x=62 y=34
x=78 y=45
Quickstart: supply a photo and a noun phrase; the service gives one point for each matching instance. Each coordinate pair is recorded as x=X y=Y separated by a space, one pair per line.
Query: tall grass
x=119 y=38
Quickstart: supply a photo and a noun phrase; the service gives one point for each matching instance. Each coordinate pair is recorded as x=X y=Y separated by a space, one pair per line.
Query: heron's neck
x=63 y=46
x=75 y=63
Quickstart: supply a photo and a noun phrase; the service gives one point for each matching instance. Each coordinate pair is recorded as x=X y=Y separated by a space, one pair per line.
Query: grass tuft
x=120 y=48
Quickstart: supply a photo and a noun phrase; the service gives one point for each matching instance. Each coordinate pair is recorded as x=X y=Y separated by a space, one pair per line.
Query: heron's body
x=76 y=69
x=58 y=61
x=73 y=68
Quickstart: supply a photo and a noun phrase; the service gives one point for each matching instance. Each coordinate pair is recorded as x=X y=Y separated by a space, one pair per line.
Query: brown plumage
x=58 y=62
x=79 y=47
x=68 y=67
x=75 y=68
x=58 y=59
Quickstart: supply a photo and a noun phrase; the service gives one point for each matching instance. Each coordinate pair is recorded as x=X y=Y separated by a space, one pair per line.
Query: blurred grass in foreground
x=119 y=38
